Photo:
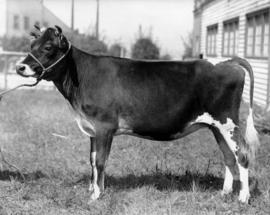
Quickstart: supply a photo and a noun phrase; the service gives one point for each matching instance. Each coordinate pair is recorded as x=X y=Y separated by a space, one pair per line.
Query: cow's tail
x=251 y=135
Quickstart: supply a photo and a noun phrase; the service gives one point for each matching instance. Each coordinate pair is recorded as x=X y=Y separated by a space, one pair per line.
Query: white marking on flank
x=244 y=192
x=228 y=181
x=93 y=187
x=225 y=129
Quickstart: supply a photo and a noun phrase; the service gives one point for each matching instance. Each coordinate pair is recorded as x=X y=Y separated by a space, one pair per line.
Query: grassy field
x=40 y=137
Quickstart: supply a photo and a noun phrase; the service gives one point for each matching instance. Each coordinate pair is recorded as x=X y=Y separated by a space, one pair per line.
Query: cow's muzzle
x=24 y=70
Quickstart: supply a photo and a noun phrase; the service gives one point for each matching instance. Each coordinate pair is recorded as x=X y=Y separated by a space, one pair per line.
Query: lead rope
x=21 y=85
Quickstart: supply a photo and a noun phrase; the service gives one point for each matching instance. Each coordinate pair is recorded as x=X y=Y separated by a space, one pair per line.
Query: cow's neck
x=67 y=82
x=72 y=74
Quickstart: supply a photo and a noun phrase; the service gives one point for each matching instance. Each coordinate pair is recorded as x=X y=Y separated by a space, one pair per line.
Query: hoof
x=243 y=196
x=91 y=188
x=226 y=192
x=95 y=192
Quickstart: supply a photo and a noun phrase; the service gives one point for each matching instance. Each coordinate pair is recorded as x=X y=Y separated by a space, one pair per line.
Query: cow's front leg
x=100 y=149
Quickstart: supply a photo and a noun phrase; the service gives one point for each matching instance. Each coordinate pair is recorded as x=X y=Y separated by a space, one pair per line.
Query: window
x=211 y=40
x=26 y=23
x=230 y=37
x=257 y=34
x=16 y=22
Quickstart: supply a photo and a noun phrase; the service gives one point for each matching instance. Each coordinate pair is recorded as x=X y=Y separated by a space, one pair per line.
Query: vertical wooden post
x=72 y=15
x=97 y=20
x=268 y=74
x=5 y=72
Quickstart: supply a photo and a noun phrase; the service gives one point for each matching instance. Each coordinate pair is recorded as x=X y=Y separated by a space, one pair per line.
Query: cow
x=156 y=100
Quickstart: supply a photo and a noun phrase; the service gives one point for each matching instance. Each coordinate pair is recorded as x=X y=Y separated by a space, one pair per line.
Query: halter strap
x=46 y=69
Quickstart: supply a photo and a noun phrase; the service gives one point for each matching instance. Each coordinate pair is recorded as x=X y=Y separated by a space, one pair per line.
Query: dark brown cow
x=158 y=100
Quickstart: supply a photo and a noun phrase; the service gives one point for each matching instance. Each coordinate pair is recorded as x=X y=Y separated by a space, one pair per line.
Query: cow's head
x=48 y=49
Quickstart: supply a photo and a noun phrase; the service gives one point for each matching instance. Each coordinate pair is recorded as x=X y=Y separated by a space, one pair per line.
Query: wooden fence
x=8 y=76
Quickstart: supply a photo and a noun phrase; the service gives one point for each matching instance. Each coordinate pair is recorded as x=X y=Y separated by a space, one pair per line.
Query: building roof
x=198 y=4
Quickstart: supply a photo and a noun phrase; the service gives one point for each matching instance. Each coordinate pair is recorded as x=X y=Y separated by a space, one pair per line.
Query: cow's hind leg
x=238 y=147
x=100 y=149
x=242 y=161
x=229 y=159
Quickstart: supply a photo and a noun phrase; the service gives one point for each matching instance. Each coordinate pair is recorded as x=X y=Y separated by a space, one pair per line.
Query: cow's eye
x=48 y=48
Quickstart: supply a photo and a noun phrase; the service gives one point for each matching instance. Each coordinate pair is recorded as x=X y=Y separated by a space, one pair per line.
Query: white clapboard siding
x=219 y=11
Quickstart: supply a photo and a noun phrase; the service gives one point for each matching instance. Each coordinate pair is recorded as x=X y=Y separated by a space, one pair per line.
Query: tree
x=165 y=57
x=115 y=50
x=145 y=48
x=89 y=43
x=187 y=42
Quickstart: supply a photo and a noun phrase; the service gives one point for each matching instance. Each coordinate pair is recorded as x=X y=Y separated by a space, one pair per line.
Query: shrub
x=89 y=43
x=145 y=48
x=115 y=50
x=166 y=57
x=187 y=42
x=19 y=44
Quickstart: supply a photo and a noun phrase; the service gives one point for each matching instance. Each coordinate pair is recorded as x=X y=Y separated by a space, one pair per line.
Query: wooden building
x=17 y=17
x=226 y=28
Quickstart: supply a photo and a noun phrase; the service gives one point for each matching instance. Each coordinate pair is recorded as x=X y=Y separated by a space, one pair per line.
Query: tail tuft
x=251 y=136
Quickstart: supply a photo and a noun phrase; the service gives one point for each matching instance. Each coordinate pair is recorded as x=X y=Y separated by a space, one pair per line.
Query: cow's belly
x=158 y=133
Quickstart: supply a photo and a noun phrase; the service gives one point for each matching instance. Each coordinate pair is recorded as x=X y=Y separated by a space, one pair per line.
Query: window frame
x=210 y=28
x=235 y=23
x=16 y=22
x=26 y=23
x=253 y=16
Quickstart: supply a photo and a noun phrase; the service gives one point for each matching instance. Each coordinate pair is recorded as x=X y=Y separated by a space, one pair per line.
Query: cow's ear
x=59 y=30
x=32 y=39
x=34 y=35
x=37 y=27
x=63 y=42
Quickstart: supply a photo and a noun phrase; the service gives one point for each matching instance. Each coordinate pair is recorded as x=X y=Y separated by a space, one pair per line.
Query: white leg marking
x=228 y=181
x=244 y=192
x=93 y=187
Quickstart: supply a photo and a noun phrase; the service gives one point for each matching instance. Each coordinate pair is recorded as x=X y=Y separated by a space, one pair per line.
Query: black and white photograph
x=134 y=107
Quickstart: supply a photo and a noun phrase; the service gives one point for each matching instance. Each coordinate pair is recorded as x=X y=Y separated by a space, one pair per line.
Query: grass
x=40 y=137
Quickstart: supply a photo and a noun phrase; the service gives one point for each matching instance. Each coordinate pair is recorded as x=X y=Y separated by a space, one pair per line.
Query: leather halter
x=46 y=69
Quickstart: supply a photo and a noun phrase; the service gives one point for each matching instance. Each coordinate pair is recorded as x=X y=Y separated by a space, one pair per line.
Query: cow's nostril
x=20 y=68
